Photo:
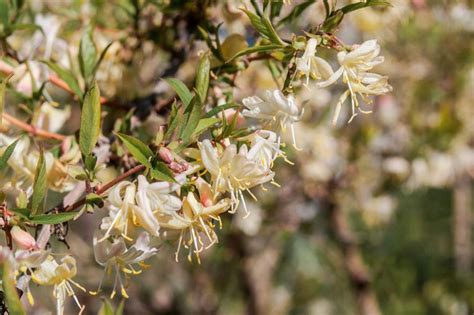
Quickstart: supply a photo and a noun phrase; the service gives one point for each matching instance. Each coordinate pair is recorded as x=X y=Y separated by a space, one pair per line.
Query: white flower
x=120 y=210
x=52 y=118
x=275 y=109
x=264 y=148
x=312 y=66
x=354 y=71
x=195 y=218
x=158 y=196
x=115 y=256
x=51 y=273
x=233 y=171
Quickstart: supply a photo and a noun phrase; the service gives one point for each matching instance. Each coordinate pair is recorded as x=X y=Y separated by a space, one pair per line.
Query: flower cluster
x=206 y=159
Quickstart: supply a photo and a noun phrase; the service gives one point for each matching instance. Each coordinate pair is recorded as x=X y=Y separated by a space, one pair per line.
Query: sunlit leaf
x=90 y=121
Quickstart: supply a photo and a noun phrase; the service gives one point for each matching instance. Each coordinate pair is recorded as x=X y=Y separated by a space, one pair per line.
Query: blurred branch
x=32 y=129
x=357 y=271
x=462 y=225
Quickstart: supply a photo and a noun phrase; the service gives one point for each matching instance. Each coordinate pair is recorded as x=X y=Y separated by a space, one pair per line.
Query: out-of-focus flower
x=50 y=273
x=51 y=118
x=115 y=256
x=276 y=110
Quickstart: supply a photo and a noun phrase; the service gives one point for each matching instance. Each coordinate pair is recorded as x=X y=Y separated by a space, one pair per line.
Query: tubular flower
x=115 y=256
x=312 y=66
x=233 y=171
x=51 y=273
x=354 y=71
x=196 y=218
x=120 y=210
x=264 y=147
x=277 y=110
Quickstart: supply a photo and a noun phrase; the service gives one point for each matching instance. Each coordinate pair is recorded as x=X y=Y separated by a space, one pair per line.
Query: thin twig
x=102 y=189
x=32 y=129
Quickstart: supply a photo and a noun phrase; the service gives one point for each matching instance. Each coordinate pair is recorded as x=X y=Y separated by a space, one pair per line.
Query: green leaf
x=175 y=116
x=87 y=55
x=333 y=21
x=369 y=3
x=101 y=57
x=119 y=310
x=106 y=308
x=4 y=16
x=192 y=115
x=296 y=12
x=140 y=151
x=3 y=89
x=275 y=9
x=90 y=121
x=67 y=77
x=202 y=77
x=6 y=155
x=181 y=89
x=11 y=295
x=22 y=212
x=39 y=184
x=204 y=124
x=250 y=50
x=216 y=110
x=264 y=26
x=161 y=172
x=54 y=218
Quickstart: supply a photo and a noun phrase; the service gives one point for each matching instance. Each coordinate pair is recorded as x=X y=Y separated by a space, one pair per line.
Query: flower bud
x=23 y=239
x=165 y=155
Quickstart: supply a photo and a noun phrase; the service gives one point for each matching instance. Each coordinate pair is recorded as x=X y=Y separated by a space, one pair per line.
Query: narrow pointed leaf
x=202 y=77
x=39 y=184
x=90 y=121
x=140 y=151
x=54 y=218
x=161 y=172
x=181 y=89
x=87 y=55
x=3 y=89
x=6 y=155
x=67 y=77
x=192 y=116
x=11 y=296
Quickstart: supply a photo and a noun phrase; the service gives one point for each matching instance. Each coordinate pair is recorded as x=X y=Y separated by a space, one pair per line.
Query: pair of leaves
x=143 y=154
x=108 y=309
x=191 y=116
x=264 y=26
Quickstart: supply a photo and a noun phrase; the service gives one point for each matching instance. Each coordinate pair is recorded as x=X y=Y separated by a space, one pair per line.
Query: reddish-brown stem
x=32 y=129
x=102 y=189
x=54 y=79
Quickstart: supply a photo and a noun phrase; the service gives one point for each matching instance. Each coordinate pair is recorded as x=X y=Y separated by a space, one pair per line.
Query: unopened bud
x=23 y=239
x=165 y=155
